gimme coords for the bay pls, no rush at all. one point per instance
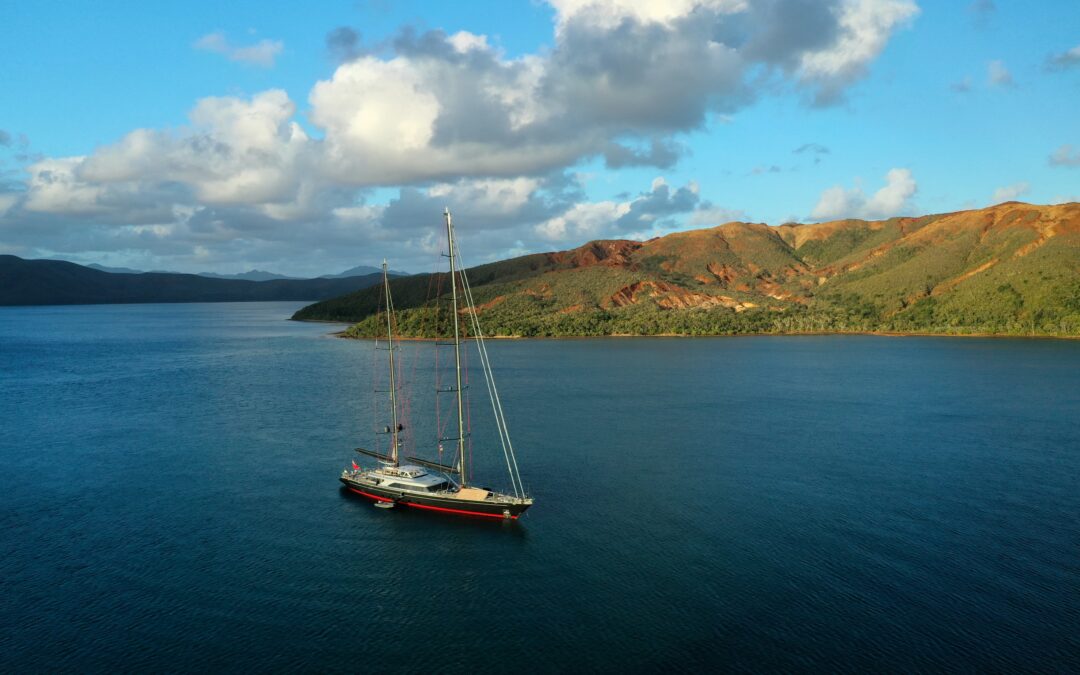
(169, 501)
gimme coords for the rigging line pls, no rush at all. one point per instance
(412, 370)
(471, 303)
(375, 382)
(405, 396)
(502, 437)
(405, 400)
(468, 416)
(390, 321)
(457, 344)
(489, 379)
(441, 424)
(431, 302)
(438, 371)
(468, 406)
(501, 417)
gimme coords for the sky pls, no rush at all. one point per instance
(221, 137)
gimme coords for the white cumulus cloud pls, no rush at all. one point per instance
(637, 218)
(1008, 193)
(891, 200)
(608, 14)
(448, 118)
(710, 216)
(449, 105)
(236, 151)
(583, 221)
(865, 29)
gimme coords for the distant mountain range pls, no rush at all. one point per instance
(56, 282)
(1009, 269)
(113, 270)
(360, 270)
(250, 275)
(255, 275)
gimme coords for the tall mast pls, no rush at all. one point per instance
(457, 351)
(393, 375)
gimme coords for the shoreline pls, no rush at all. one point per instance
(1000, 336)
(339, 323)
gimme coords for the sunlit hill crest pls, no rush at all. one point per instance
(1013, 268)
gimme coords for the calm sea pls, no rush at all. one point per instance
(169, 501)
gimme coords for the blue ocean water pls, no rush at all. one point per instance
(169, 501)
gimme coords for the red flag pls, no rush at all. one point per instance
(354, 465)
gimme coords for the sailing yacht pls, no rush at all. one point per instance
(430, 485)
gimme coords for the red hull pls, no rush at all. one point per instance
(434, 508)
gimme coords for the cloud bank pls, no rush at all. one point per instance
(621, 81)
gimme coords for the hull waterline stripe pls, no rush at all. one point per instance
(366, 494)
(467, 513)
(432, 508)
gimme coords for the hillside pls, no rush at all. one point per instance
(55, 282)
(1009, 269)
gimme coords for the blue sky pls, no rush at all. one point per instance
(190, 137)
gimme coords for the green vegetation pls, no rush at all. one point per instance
(1010, 270)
